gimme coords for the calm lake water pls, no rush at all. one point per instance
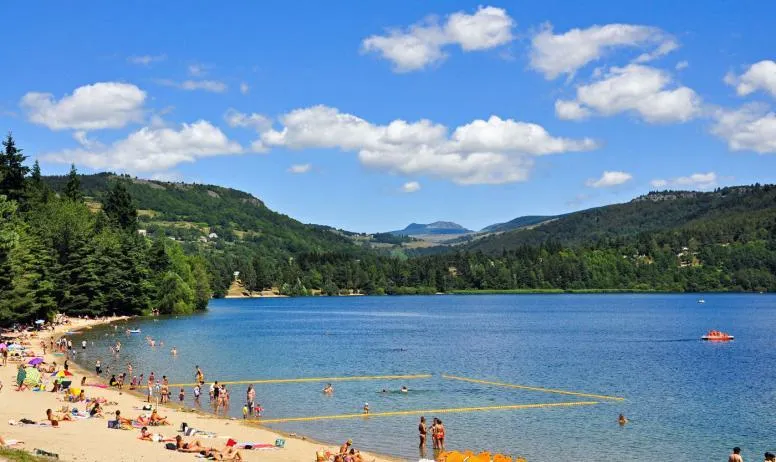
(687, 400)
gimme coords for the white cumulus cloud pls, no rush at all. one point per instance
(608, 179)
(555, 54)
(759, 76)
(145, 60)
(681, 65)
(750, 128)
(422, 44)
(410, 187)
(90, 107)
(245, 88)
(300, 168)
(638, 89)
(489, 151)
(695, 181)
(152, 149)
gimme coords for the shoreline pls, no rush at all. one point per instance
(91, 440)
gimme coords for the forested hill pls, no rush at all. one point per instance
(656, 211)
(193, 212)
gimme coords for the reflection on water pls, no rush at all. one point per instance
(686, 400)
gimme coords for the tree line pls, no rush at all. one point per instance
(59, 255)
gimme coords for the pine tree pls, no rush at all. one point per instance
(119, 208)
(73, 186)
(35, 176)
(12, 170)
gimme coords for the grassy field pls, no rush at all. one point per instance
(16, 455)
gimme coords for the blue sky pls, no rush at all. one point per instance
(371, 115)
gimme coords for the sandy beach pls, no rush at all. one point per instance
(91, 439)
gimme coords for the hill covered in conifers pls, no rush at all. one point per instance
(105, 243)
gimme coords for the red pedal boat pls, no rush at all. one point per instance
(717, 336)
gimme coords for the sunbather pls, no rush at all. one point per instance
(145, 434)
(55, 418)
(193, 446)
(156, 419)
(228, 453)
(8, 443)
(123, 420)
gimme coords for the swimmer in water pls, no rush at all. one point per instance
(328, 389)
(622, 420)
(174, 351)
(405, 390)
(366, 408)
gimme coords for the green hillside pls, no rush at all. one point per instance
(656, 211)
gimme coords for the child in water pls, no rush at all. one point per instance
(182, 395)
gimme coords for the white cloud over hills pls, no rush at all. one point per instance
(489, 151)
(152, 149)
(609, 179)
(694, 181)
(423, 44)
(90, 107)
(642, 90)
(556, 54)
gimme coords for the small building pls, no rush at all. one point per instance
(212, 236)
(142, 232)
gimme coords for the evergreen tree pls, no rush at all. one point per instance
(73, 186)
(12, 170)
(35, 176)
(119, 208)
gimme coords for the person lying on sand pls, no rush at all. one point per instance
(55, 418)
(156, 419)
(145, 434)
(122, 420)
(228, 453)
(8, 443)
(193, 446)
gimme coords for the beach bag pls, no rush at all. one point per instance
(113, 424)
(147, 407)
(280, 443)
(171, 446)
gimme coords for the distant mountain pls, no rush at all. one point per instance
(517, 223)
(656, 211)
(436, 228)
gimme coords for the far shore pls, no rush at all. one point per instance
(91, 440)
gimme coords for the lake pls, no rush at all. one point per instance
(687, 400)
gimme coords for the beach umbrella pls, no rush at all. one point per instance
(3, 346)
(33, 376)
(62, 373)
(35, 361)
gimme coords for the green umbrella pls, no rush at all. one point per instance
(33, 376)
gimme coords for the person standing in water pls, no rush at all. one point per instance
(250, 398)
(422, 431)
(736, 455)
(440, 435)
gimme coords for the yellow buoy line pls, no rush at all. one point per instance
(315, 379)
(526, 387)
(426, 411)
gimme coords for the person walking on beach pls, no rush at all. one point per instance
(736, 455)
(150, 386)
(250, 398)
(97, 367)
(83, 344)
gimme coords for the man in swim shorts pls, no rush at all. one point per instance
(736, 455)
(422, 431)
